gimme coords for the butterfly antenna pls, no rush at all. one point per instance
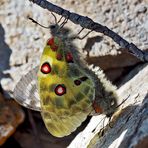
(119, 106)
(38, 23)
(123, 101)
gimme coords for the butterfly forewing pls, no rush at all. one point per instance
(66, 92)
(26, 91)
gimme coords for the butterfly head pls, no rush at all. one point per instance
(105, 106)
(111, 106)
(57, 30)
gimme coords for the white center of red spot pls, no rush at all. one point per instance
(45, 68)
(60, 90)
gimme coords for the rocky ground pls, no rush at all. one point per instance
(22, 42)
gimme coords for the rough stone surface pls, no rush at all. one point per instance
(22, 42)
(11, 115)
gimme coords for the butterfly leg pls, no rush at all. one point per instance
(57, 22)
(103, 129)
(81, 38)
(110, 124)
(101, 132)
(55, 18)
(60, 19)
(80, 31)
(63, 23)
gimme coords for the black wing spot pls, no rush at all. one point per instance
(79, 80)
(83, 78)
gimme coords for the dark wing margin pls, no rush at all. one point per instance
(26, 91)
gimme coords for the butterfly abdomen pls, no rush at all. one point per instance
(106, 99)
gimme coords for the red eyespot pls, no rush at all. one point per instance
(77, 82)
(59, 56)
(46, 68)
(60, 89)
(54, 47)
(50, 41)
(97, 108)
(69, 58)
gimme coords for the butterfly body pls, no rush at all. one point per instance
(65, 90)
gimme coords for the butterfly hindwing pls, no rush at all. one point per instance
(66, 92)
(26, 91)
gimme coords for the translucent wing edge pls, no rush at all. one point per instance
(26, 92)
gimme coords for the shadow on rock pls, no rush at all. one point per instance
(5, 53)
(90, 43)
(129, 119)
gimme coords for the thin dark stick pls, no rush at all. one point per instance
(88, 23)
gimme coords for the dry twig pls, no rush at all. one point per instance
(88, 23)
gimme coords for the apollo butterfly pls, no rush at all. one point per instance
(63, 88)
